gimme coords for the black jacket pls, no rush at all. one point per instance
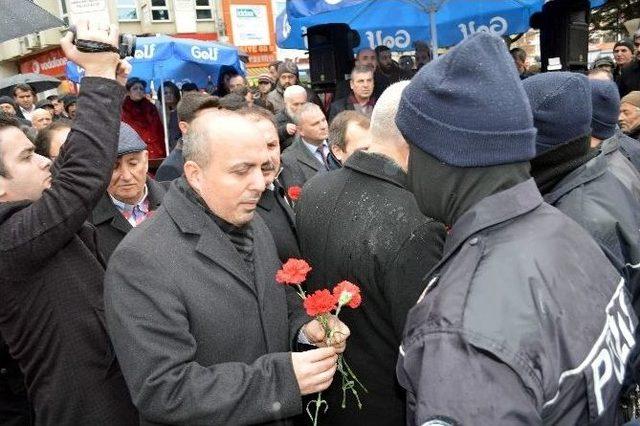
(339, 105)
(524, 321)
(298, 165)
(51, 277)
(360, 224)
(15, 409)
(280, 220)
(111, 226)
(593, 197)
(620, 165)
(282, 119)
(629, 79)
(171, 167)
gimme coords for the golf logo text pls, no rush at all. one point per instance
(208, 54)
(497, 26)
(146, 52)
(401, 40)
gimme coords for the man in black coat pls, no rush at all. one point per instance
(360, 98)
(518, 321)
(187, 109)
(131, 196)
(202, 330)
(360, 224)
(273, 206)
(629, 78)
(51, 274)
(575, 178)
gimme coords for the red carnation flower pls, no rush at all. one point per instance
(294, 193)
(294, 272)
(319, 303)
(347, 293)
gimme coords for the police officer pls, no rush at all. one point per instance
(524, 320)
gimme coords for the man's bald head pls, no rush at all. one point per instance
(383, 117)
(41, 118)
(226, 163)
(213, 127)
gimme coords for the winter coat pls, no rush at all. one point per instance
(629, 79)
(282, 119)
(339, 105)
(298, 165)
(360, 224)
(111, 225)
(630, 147)
(145, 120)
(593, 197)
(281, 221)
(620, 165)
(15, 409)
(200, 339)
(51, 277)
(171, 167)
(524, 321)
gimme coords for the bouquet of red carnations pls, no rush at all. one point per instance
(321, 305)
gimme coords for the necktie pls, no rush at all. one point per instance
(320, 150)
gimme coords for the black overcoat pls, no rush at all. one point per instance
(360, 224)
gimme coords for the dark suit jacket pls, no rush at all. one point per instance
(298, 165)
(360, 224)
(111, 226)
(339, 105)
(51, 305)
(201, 340)
(171, 167)
(280, 220)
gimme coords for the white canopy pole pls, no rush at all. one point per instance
(434, 30)
(164, 119)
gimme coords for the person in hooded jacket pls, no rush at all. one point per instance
(605, 101)
(575, 178)
(513, 325)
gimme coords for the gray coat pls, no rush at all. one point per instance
(199, 340)
(524, 321)
(298, 165)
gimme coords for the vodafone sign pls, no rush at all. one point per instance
(50, 63)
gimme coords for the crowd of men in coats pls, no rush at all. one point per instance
(491, 222)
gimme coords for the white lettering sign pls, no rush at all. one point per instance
(208, 54)
(147, 51)
(497, 26)
(401, 40)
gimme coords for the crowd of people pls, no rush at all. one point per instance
(489, 215)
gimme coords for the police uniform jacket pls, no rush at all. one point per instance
(524, 321)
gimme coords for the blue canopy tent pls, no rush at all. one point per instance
(163, 58)
(399, 23)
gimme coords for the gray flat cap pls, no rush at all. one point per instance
(129, 141)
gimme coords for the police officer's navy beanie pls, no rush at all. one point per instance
(468, 108)
(605, 100)
(561, 105)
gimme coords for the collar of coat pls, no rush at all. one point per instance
(377, 166)
(588, 172)
(105, 210)
(491, 211)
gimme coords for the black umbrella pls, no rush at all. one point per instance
(22, 17)
(39, 82)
